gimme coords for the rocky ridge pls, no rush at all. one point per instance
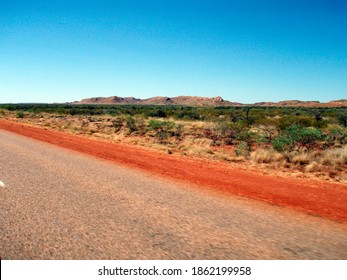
(206, 101)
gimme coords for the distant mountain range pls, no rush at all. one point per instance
(205, 101)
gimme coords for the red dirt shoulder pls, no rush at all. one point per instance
(315, 197)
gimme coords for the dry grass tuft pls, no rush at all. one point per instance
(335, 157)
(266, 156)
(329, 163)
(301, 158)
(312, 167)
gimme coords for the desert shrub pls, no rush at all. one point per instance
(162, 129)
(20, 114)
(320, 124)
(160, 113)
(244, 135)
(178, 132)
(213, 134)
(131, 124)
(267, 132)
(305, 121)
(158, 124)
(342, 118)
(188, 113)
(73, 111)
(128, 122)
(229, 132)
(337, 135)
(281, 142)
(242, 149)
(296, 134)
(223, 127)
(140, 125)
(236, 116)
(305, 136)
(118, 123)
(261, 138)
(249, 137)
(285, 122)
(319, 121)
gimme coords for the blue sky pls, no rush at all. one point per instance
(245, 51)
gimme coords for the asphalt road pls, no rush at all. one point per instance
(60, 204)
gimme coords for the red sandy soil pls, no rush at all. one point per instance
(319, 198)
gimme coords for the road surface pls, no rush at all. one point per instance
(60, 204)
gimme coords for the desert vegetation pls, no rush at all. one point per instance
(292, 139)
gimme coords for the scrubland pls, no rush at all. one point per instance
(285, 141)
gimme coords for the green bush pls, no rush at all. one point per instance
(245, 135)
(118, 123)
(342, 118)
(242, 149)
(160, 125)
(281, 142)
(338, 136)
(131, 124)
(297, 135)
(162, 128)
(304, 135)
(20, 115)
(288, 121)
(285, 122)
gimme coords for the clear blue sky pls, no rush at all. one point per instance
(245, 51)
